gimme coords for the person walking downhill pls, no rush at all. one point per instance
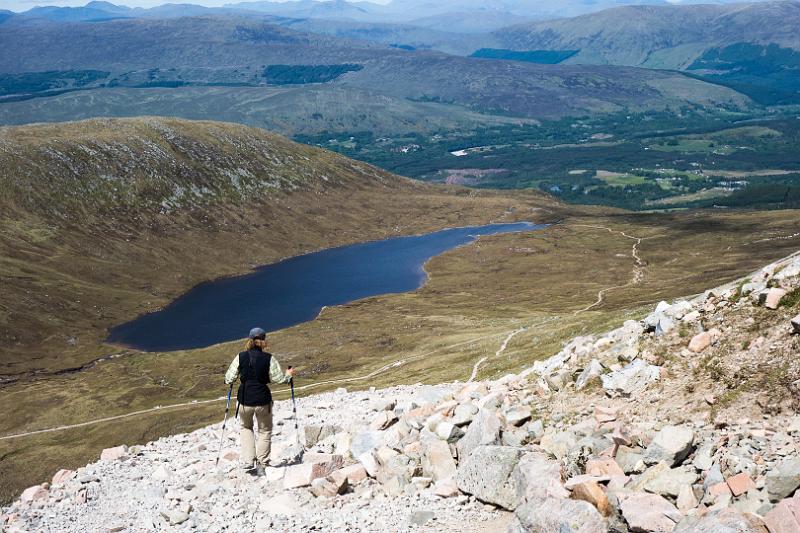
(256, 368)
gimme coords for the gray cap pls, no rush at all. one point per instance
(256, 332)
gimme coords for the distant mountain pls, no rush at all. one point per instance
(658, 36)
(184, 55)
(226, 43)
(468, 21)
(333, 9)
(754, 48)
(92, 11)
(399, 35)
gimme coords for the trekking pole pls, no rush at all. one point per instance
(294, 409)
(224, 421)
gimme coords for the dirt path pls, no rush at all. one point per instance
(496, 354)
(638, 266)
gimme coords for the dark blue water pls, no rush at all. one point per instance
(295, 290)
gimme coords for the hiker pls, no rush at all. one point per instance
(256, 368)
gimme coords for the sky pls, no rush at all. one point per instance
(24, 5)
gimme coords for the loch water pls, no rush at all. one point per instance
(295, 290)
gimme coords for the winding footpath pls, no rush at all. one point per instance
(638, 267)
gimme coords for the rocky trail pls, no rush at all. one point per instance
(685, 421)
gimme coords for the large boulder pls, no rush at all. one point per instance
(784, 517)
(552, 515)
(672, 444)
(784, 479)
(34, 493)
(728, 520)
(670, 482)
(632, 379)
(645, 513)
(483, 430)
(486, 474)
(437, 461)
(536, 476)
(463, 414)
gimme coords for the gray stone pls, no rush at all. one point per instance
(175, 516)
(366, 441)
(449, 432)
(783, 479)
(796, 324)
(651, 321)
(314, 434)
(703, 457)
(483, 430)
(713, 476)
(486, 474)
(463, 414)
(665, 325)
(593, 371)
(429, 394)
(518, 415)
(753, 287)
(648, 512)
(559, 379)
(630, 459)
(535, 429)
(558, 444)
(633, 379)
(669, 483)
(419, 518)
(558, 515)
(537, 476)
(437, 461)
(514, 437)
(672, 444)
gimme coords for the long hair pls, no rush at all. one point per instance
(255, 343)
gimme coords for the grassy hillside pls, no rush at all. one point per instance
(106, 219)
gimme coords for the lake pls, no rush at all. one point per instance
(295, 290)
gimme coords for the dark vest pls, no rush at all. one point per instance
(254, 376)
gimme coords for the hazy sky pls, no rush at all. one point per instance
(24, 5)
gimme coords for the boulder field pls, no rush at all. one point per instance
(683, 421)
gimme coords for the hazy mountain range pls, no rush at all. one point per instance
(274, 65)
(311, 75)
(471, 16)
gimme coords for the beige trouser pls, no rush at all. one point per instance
(256, 448)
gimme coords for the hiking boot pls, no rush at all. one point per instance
(248, 469)
(258, 471)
